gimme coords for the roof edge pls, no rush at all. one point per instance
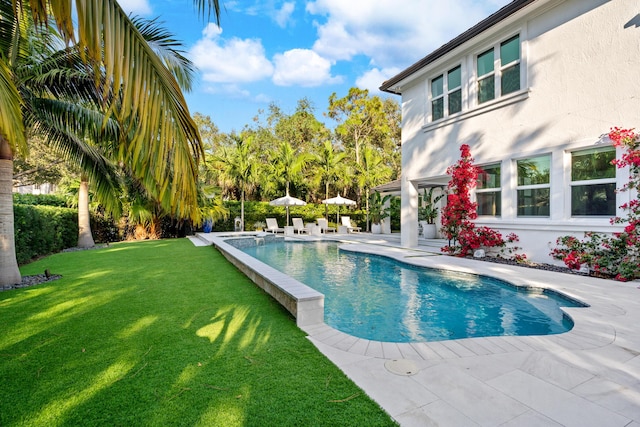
(469, 34)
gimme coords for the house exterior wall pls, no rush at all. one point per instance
(579, 78)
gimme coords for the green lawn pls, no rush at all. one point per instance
(162, 333)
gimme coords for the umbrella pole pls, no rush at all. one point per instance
(287, 215)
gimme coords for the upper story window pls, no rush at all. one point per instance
(593, 182)
(507, 75)
(489, 191)
(454, 90)
(534, 186)
(437, 98)
(446, 94)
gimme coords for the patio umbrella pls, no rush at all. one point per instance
(338, 201)
(287, 201)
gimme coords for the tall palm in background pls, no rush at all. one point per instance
(287, 165)
(327, 164)
(156, 135)
(238, 167)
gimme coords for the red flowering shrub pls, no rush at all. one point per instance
(458, 212)
(618, 255)
(464, 237)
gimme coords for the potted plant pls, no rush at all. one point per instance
(378, 210)
(259, 226)
(428, 212)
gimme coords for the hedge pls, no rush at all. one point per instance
(258, 211)
(42, 230)
(39, 199)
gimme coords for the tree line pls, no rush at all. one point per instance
(297, 154)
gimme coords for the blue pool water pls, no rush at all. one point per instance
(381, 299)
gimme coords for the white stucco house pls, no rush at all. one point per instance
(533, 90)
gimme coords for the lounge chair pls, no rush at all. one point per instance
(346, 222)
(324, 225)
(298, 226)
(272, 226)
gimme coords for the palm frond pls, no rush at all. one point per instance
(63, 124)
(168, 49)
(11, 125)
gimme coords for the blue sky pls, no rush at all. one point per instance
(281, 51)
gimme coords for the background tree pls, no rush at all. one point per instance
(327, 168)
(361, 120)
(238, 167)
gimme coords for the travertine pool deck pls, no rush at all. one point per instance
(589, 376)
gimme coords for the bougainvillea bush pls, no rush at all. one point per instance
(616, 255)
(457, 226)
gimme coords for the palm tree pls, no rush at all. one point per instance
(327, 165)
(156, 132)
(287, 164)
(238, 167)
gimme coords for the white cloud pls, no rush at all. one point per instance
(283, 15)
(229, 61)
(236, 92)
(392, 32)
(137, 7)
(372, 79)
(302, 67)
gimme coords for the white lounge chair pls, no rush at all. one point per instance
(272, 226)
(346, 222)
(298, 226)
(324, 225)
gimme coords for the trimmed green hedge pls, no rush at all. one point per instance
(41, 230)
(39, 199)
(258, 211)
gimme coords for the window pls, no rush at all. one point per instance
(593, 182)
(508, 74)
(486, 77)
(510, 65)
(437, 98)
(488, 191)
(454, 89)
(534, 186)
(442, 105)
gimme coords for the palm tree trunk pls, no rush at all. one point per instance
(85, 239)
(326, 196)
(242, 210)
(9, 272)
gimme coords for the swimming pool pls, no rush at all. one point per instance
(377, 298)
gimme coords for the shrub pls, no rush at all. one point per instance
(258, 211)
(41, 230)
(39, 199)
(464, 237)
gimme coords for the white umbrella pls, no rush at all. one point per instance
(338, 201)
(287, 201)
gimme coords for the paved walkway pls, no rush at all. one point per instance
(589, 376)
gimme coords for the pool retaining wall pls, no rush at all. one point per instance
(304, 303)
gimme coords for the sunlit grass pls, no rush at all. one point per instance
(162, 333)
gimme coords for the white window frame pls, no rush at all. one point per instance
(534, 186)
(583, 182)
(498, 69)
(445, 93)
(497, 189)
(433, 99)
